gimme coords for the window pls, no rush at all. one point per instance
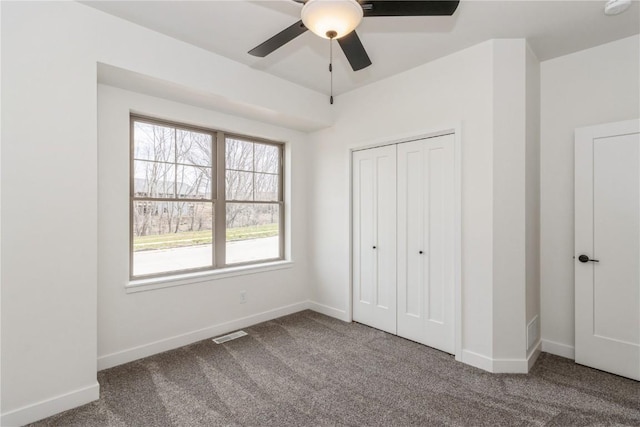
(252, 194)
(202, 200)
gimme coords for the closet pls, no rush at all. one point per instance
(404, 239)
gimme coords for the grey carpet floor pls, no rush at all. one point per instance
(311, 370)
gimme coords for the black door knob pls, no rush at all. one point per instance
(420, 252)
(585, 258)
(374, 247)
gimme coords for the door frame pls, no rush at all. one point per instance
(456, 130)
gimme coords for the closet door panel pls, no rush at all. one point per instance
(410, 207)
(385, 228)
(439, 327)
(425, 241)
(410, 239)
(374, 237)
(364, 229)
(435, 233)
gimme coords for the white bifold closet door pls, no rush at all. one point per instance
(403, 240)
(374, 238)
(426, 251)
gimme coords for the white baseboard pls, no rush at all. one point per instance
(502, 366)
(477, 360)
(329, 311)
(135, 353)
(517, 366)
(510, 366)
(46, 408)
(562, 350)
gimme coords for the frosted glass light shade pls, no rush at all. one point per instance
(616, 7)
(322, 16)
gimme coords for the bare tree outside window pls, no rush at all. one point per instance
(174, 202)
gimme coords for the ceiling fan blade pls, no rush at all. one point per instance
(354, 51)
(280, 39)
(409, 7)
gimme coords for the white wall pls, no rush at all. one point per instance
(49, 213)
(127, 322)
(532, 177)
(515, 200)
(597, 85)
(508, 197)
(50, 180)
(454, 89)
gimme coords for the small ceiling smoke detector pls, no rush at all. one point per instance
(616, 7)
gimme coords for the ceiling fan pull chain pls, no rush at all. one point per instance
(331, 69)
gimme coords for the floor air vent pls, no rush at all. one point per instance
(229, 337)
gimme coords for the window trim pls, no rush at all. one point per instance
(219, 266)
(189, 278)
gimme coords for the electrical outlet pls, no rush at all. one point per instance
(243, 297)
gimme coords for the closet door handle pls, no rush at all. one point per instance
(420, 252)
(374, 247)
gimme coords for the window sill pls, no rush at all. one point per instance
(143, 285)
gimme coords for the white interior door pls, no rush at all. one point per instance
(374, 237)
(426, 252)
(607, 245)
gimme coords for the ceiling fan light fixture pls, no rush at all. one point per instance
(335, 18)
(616, 7)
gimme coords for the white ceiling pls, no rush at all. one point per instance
(394, 44)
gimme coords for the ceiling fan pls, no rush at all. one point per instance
(337, 19)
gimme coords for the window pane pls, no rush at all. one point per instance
(267, 158)
(153, 179)
(266, 186)
(194, 182)
(239, 155)
(239, 185)
(252, 232)
(153, 142)
(194, 148)
(171, 236)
